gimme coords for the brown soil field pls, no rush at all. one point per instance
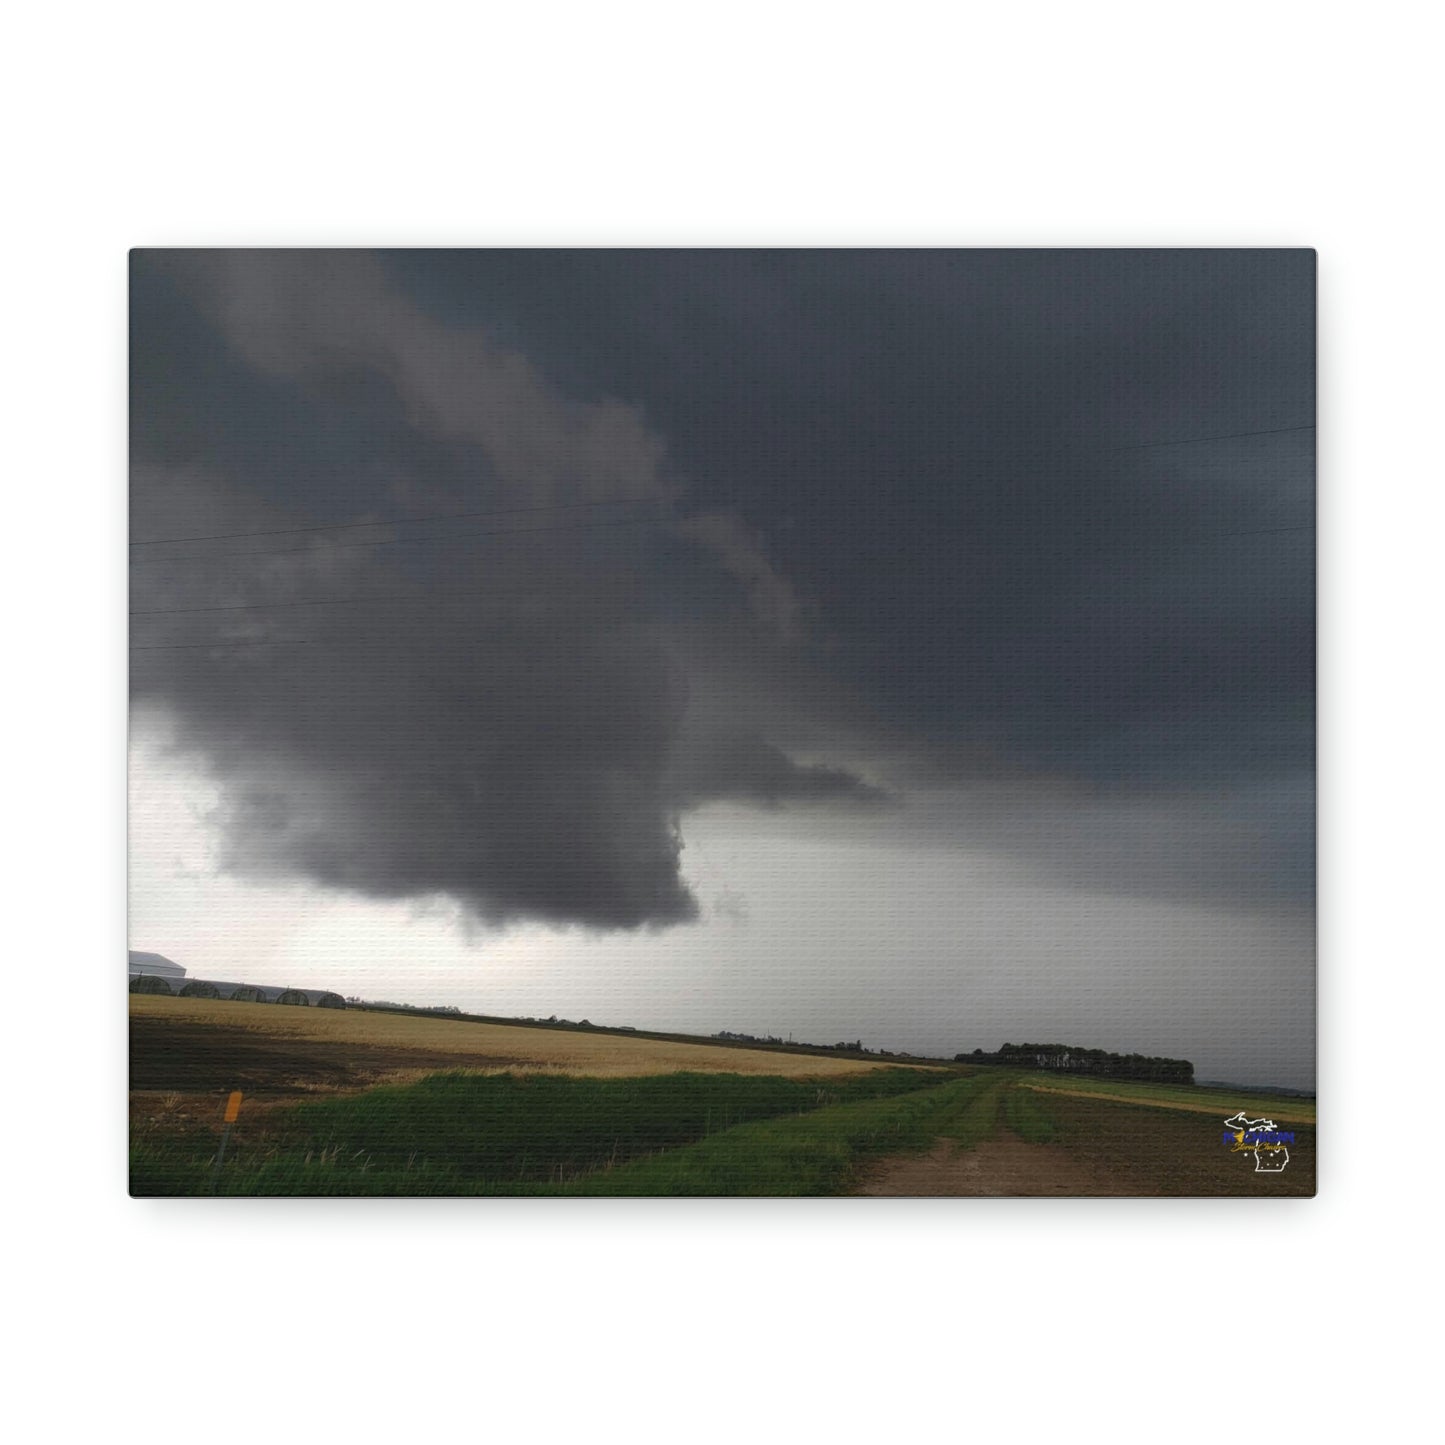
(208, 1046)
(1302, 1112)
(1104, 1148)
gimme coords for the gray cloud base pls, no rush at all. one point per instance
(891, 526)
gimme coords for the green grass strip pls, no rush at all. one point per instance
(820, 1153)
(463, 1133)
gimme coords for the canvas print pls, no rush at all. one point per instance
(722, 722)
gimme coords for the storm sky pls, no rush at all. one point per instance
(907, 645)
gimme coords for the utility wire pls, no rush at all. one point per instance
(277, 641)
(511, 595)
(432, 624)
(1222, 437)
(387, 542)
(571, 506)
(1263, 531)
(259, 642)
(1152, 549)
(339, 601)
(420, 597)
(395, 521)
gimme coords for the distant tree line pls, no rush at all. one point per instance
(410, 1008)
(856, 1047)
(1098, 1063)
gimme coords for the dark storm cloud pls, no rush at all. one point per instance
(493, 708)
(745, 768)
(895, 519)
(951, 453)
(519, 766)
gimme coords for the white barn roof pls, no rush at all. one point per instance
(155, 964)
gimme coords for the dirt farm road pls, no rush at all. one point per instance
(998, 1167)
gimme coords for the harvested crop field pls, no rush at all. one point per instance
(204, 1046)
(1194, 1101)
(1096, 1147)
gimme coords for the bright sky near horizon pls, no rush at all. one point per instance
(817, 939)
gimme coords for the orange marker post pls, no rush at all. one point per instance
(233, 1110)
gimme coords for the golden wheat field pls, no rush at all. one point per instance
(183, 1028)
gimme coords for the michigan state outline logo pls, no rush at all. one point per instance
(1268, 1143)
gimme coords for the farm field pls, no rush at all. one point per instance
(203, 1045)
(518, 1133)
(346, 1103)
(1052, 1144)
(1282, 1108)
(187, 1055)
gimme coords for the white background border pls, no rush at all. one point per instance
(1042, 124)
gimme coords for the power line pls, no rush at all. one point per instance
(395, 521)
(388, 542)
(572, 506)
(1261, 532)
(277, 641)
(1222, 437)
(396, 597)
(431, 624)
(1202, 537)
(259, 642)
(515, 511)
(433, 597)
(512, 594)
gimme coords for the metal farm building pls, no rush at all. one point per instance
(155, 965)
(154, 973)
